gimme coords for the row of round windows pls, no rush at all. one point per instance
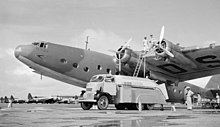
(86, 69)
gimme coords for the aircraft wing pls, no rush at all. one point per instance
(188, 63)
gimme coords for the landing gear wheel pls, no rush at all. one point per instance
(103, 102)
(120, 106)
(149, 106)
(86, 105)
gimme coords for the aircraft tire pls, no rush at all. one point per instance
(103, 102)
(149, 106)
(86, 105)
(120, 106)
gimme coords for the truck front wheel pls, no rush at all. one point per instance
(86, 105)
(103, 102)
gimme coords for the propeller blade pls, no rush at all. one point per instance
(129, 40)
(161, 38)
(161, 34)
(125, 45)
(168, 52)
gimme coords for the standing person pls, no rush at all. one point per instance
(217, 99)
(188, 98)
(173, 108)
(151, 42)
(199, 99)
(148, 45)
(145, 44)
(10, 103)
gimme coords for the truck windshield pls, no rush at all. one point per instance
(97, 79)
(109, 79)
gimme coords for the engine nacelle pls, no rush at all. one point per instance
(165, 44)
(124, 55)
(176, 51)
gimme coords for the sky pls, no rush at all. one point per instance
(108, 23)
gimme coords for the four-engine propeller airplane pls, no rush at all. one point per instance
(169, 63)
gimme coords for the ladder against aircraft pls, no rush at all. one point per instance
(141, 59)
(138, 66)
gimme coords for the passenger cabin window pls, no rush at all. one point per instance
(86, 69)
(108, 71)
(97, 79)
(75, 65)
(64, 61)
(99, 67)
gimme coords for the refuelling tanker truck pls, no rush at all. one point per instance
(125, 92)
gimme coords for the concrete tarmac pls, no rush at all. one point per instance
(71, 115)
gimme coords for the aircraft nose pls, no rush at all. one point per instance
(17, 51)
(22, 50)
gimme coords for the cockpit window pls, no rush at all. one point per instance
(40, 44)
(97, 79)
(45, 46)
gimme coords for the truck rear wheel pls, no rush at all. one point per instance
(103, 102)
(86, 105)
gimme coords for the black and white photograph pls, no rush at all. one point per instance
(109, 63)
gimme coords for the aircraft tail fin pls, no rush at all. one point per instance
(214, 82)
(12, 98)
(30, 96)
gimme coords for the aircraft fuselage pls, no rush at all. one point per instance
(68, 64)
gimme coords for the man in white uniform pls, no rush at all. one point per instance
(145, 43)
(217, 98)
(189, 98)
